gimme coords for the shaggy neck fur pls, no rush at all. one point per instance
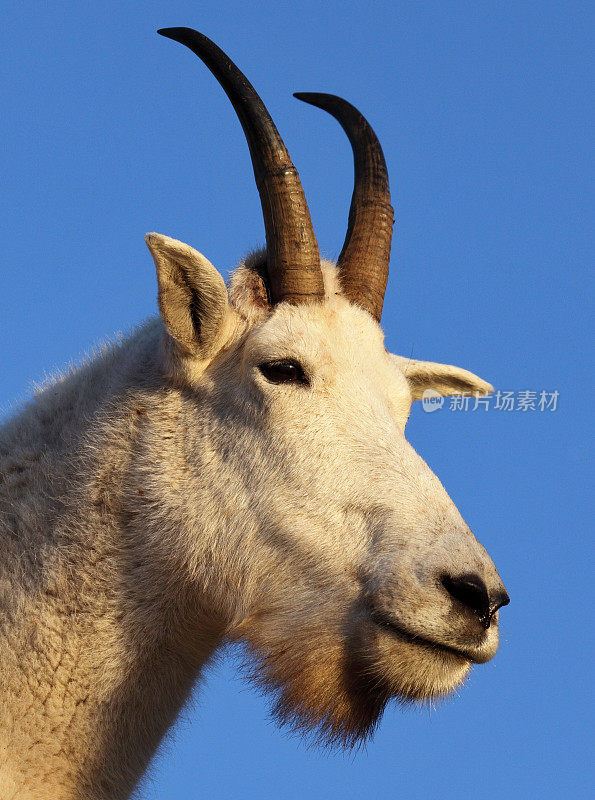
(99, 648)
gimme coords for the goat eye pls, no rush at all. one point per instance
(284, 372)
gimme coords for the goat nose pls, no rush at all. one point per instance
(471, 591)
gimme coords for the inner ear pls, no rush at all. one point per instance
(192, 296)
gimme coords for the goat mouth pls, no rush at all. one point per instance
(388, 625)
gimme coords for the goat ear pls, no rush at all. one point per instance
(192, 296)
(442, 378)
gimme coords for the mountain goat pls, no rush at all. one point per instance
(236, 470)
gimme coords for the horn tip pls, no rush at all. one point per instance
(174, 33)
(319, 99)
(306, 97)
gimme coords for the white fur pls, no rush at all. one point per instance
(166, 497)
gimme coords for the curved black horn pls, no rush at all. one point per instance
(364, 259)
(293, 261)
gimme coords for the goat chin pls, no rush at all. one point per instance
(335, 688)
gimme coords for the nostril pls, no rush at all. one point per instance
(472, 592)
(501, 599)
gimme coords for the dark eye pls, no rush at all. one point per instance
(288, 371)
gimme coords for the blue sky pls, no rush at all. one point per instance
(109, 131)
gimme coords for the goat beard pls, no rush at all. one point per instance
(326, 689)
